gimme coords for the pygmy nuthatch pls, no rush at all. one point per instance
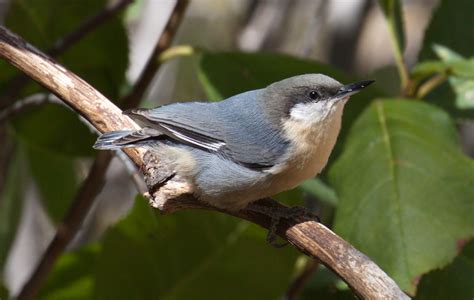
(249, 146)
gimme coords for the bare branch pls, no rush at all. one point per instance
(298, 284)
(78, 94)
(87, 26)
(314, 239)
(153, 63)
(69, 227)
(18, 82)
(90, 188)
(25, 104)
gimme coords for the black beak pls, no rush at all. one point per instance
(351, 89)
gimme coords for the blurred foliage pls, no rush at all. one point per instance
(457, 94)
(38, 129)
(451, 25)
(73, 275)
(392, 10)
(190, 254)
(53, 135)
(321, 191)
(43, 22)
(3, 291)
(50, 169)
(397, 181)
(11, 203)
(326, 285)
(398, 143)
(100, 58)
(452, 282)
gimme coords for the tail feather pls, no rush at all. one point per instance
(124, 138)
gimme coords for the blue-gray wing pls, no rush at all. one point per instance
(235, 128)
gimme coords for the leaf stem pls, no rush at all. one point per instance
(398, 56)
(393, 12)
(425, 88)
(177, 51)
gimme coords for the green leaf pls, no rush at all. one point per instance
(56, 129)
(459, 66)
(458, 105)
(55, 177)
(324, 284)
(100, 58)
(464, 89)
(462, 80)
(452, 282)
(427, 68)
(451, 26)
(190, 255)
(458, 96)
(228, 73)
(450, 63)
(446, 54)
(11, 203)
(72, 276)
(320, 190)
(405, 189)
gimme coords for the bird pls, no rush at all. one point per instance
(249, 146)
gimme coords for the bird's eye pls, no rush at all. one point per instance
(314, 95)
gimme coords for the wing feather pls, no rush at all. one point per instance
(238, 130)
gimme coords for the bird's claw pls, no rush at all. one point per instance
(277, 214)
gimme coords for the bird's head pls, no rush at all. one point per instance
(310, 98)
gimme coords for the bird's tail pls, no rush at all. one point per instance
(125, 138)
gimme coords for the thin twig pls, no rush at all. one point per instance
(153, 63)
(26, 104)
(298, 284)
(425, 88)
(398, 51)
(80, 209)
(133, 171)
(88, 25)
(70, 225)
(6, 152)
(39, 99)
(16, 84)
(366, 279)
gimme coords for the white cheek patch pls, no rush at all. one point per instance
(311, 112)
(315, 112)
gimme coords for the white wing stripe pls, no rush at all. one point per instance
(211, 146)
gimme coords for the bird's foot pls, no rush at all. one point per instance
(278, 213)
